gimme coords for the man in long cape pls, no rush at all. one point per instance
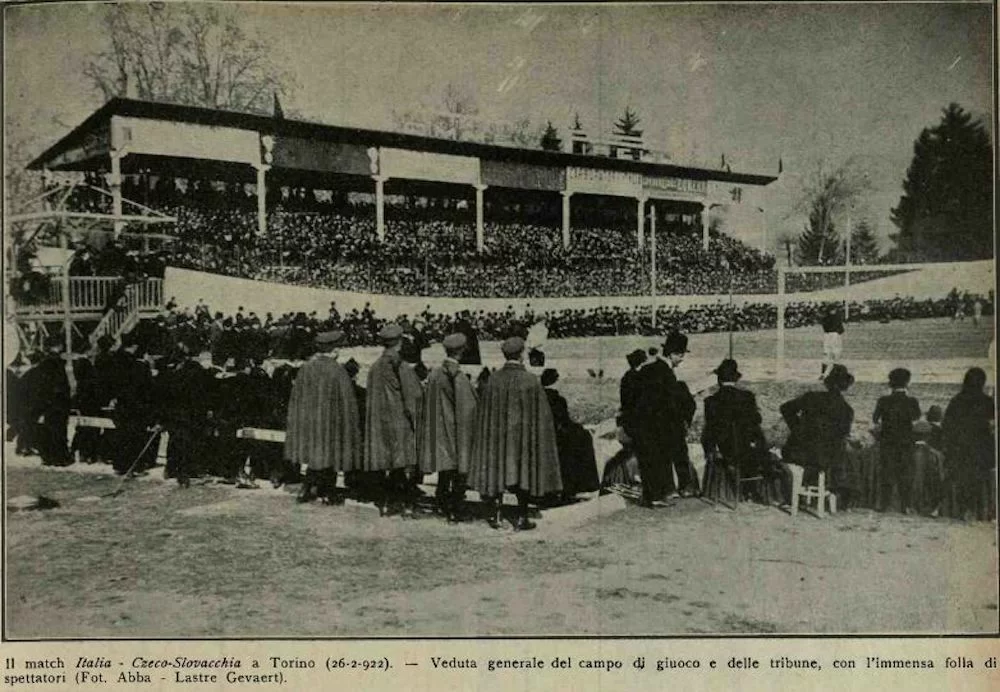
(514, 447)
(447, 426)
(391, 419)
(323, 430)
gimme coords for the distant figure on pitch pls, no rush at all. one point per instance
(833, 339)
(977, 312)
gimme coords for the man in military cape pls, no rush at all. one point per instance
(323, 431)
(514, 447)
(391, 420)
(447, 426)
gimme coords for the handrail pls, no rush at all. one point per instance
(120, 318)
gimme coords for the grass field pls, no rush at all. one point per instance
(213, 560)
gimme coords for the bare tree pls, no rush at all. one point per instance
(186, 53)
(826, 194)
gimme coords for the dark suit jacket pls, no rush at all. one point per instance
(629, 393)
(732, 425)
(819, 423)
(664, 408)
(896, 413)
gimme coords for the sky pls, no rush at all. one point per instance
(756, 82)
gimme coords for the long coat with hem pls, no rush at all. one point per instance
(448, 421)
(515, 440)
(392, 416)
(323, 431)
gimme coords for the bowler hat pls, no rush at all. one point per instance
(839, 378)
(728, 371)
(675, 343)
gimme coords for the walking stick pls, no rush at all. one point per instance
(128, 474)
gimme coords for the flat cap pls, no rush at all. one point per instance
(390, 333)
(331, 337)
(512, 346)
(456, 340)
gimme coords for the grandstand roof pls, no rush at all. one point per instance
(320, 132)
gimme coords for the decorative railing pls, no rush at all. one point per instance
(88, 294)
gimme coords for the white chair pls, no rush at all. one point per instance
(817, 492)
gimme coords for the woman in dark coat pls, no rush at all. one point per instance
(577, 463)
(969, 448)
(819, 423)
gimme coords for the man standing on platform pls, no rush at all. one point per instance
(391, 421)
(323, 430)
(664, 409)
(514, 447)
(447, 427)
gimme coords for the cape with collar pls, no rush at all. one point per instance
(393, 415)
(323, 429)
(515, 438)
(448, 421)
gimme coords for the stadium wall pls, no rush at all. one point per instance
(226, 293)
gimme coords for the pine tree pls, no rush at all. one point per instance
(628, 124)
(946, 210)
(864, 244)
(550, 138)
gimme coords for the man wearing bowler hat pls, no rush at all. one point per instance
(323, 430)
(391, 422)
(514, 446)
(447, 425)
(664, 409)
(732, 431)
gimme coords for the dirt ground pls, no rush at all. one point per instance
(216, 561)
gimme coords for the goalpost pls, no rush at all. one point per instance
(846, 270)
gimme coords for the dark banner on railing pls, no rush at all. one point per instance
(523, 176)
(312, 155)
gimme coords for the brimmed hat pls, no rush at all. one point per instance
(549, 376)
(453, 341)
(899, 377)
(390, 334)
(839, 377)
(728, 370)
(675, 343)
(513, 346)
(331, 337)
(636, 358)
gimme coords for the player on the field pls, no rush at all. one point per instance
(833, 343)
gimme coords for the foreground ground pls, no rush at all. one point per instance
(217, 561)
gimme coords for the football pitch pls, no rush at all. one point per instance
(217, 561)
